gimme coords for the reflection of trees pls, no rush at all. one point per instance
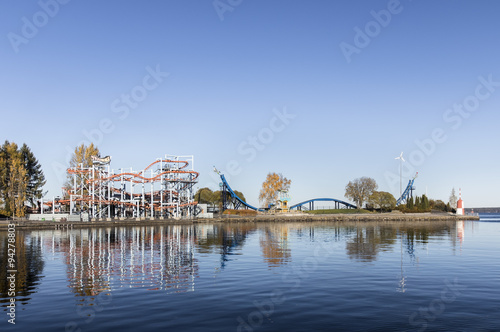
(274, 245)
(223, 239)
(370, 239)
(228, 239)
(29, 265)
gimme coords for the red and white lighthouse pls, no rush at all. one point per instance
(460, 204)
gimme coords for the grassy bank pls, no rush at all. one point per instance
(340, 211)
(350, 216)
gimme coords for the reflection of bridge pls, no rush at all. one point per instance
(338, 204)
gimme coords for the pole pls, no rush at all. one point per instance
(400, 177)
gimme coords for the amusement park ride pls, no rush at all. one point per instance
(282, 202)
(163, 189)
(408, 191)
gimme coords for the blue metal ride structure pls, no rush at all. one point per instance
(235, 200)
(238, 202)
(408, 192)
(338, 203)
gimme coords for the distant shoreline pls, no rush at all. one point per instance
(392, 217)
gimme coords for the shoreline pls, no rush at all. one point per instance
(305, 218)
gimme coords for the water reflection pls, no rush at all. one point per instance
(460, 231)
(29, 264)
(226, 241)
(153, 258)
(369, 239)
(166, 258)
(274, 245)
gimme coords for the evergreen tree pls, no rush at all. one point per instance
(453, 199)
(410, 204)
(35, 176)
(426, 206)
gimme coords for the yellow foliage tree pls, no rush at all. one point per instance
(21, 179)
(274, 183)
(18, 184)
(82, 156)
(13, 180)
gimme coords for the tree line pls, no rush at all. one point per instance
(207, 196)
(21, 180)
(364, 190)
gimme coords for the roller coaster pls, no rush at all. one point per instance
(408, 191)
(162, 189)
(234, 200)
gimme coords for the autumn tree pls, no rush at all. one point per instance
(270, 188)
(21, 179)
(4, 178)
(81, 157)
(360, 190)
(382, 200)
(13, 180)
(17, 186)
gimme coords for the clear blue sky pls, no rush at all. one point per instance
(364, 80)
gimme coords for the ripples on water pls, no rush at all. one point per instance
(259, 277)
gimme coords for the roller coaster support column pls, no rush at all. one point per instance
(224, 197)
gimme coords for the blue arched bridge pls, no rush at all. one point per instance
(338, 204)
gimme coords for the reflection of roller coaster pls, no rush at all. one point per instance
(165, 189)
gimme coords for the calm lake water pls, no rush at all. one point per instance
(257, 277)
